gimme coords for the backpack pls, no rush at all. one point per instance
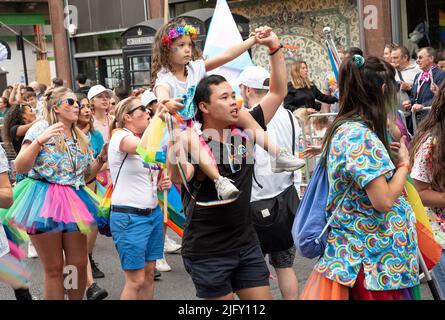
(310, 225)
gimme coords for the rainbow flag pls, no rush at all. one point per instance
(334, 58)
(152, 147)
(176, 216)
(429, 248)
(442, 26)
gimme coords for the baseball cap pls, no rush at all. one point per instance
(148, 97)
(254, 77)
(98, 89)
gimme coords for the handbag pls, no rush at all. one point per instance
(273, 218)
(310, 225)
(103, 221)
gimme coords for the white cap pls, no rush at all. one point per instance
(148, 97)
(98, 89)
(253, 77)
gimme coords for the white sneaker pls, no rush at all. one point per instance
(162, 265)
(32, 253)
(225, 188)
(170, 246)
(286, 161)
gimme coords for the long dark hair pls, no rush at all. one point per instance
(367, 94)
(14, 117)
(434, 126)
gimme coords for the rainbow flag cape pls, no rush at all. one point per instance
(429, 248)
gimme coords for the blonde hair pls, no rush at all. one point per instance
(297, 81)
(122, 108)
(52, 98)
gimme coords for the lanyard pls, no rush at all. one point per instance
(74, 163)
(421, 83)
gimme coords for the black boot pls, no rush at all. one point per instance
(94, 269)
(22, 294)
(96, 293)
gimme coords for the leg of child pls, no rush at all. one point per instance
(199, 154)
(256, 132)
(207, 164)
(284, 160)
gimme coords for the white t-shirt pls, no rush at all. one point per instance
(408, 75)
(195, 72)
(136, 186)
(279, 130)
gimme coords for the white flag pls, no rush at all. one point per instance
(221, 36)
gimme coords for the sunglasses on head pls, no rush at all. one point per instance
(141, 107)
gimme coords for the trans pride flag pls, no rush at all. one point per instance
(222, 35)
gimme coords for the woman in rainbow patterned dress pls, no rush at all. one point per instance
(371, 251)
(52, 205)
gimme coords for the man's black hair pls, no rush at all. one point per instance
(354, 50)
(203, 91)
(81, 78)
(57, 82)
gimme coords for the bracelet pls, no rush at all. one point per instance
(276, 50)
(403, 164)
(38, 142)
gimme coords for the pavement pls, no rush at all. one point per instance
(174, 285)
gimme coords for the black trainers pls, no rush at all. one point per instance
(23, 294)
(157, 274)
(97, 274)
(96, 293)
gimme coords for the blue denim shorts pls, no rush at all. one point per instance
(138, 238)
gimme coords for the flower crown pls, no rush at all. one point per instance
(176, 32)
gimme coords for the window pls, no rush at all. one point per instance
(140, 69)
(423, 24)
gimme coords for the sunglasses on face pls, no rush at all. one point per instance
(141, 107)
(70, 101)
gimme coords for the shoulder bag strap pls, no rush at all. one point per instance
(291, 117)
(328, 223)
(118, 173)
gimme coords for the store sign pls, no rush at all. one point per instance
(139, 41)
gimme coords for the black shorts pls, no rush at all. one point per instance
(282, 259)
(218, 276)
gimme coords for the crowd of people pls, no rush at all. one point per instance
(238, 168)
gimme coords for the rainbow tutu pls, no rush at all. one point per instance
(40, 207)
(13, 271)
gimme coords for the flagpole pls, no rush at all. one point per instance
(429, 279)
(166, 18)
(166, 12)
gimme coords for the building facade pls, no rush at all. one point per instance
(87, 34)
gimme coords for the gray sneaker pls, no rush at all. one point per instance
(226, 189)
(286, 161)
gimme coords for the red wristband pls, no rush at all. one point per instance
(404, 164)
(275, 48)
(39, 143)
